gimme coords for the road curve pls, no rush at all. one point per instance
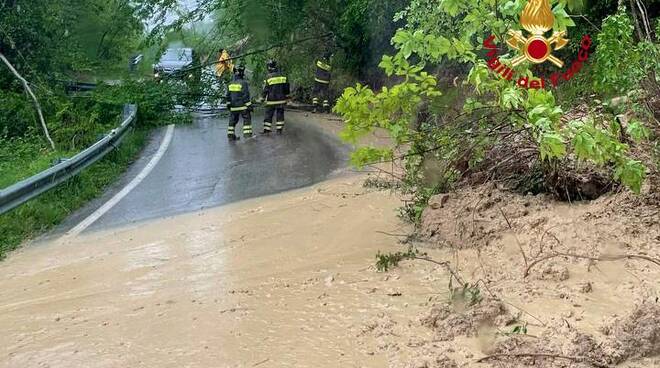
(201, 169)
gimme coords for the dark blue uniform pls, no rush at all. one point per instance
(238, 97)
(322, 85)
(276, 95)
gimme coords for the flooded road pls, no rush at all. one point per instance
(275, 282)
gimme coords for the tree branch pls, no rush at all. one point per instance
(597, 259)
(34, 98)
(547, 356)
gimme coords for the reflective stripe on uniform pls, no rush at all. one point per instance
(280, 124)
(322, 81)
(267, 126)
(326, 103)
(276, 102)
(276, 80)
(323, 66)
(235, 109)
(247, 129)
(234, 87)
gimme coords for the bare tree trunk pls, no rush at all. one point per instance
(34, 98)
(645, 20)
(633, 11)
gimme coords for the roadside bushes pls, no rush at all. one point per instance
(75, 121)
(155, 101)
(622, 63)
(17, 117)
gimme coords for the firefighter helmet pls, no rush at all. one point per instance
(240, 70)
(271, 65)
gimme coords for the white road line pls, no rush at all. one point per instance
(165, 143)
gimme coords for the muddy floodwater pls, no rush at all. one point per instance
(275, 281)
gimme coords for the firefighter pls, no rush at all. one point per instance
(322, 84)
(238, 97)
(275, 95)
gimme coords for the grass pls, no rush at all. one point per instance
(42, 213)
(22, 158)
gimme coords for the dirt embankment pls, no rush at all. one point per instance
(558, 284)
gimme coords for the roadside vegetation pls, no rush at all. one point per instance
(50, 209)
(296, 34)
(577, 141)
(47, 45)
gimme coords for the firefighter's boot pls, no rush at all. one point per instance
(231, 133)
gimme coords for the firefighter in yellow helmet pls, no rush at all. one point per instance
(239, 104)
(322, 84)
(276, 94)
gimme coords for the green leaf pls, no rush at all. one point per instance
(562, 19)
(637, 131)
(583, 144)
(552, 146)
(511, 98)
(387, 65)
(631, 173)
(452, 7)
(370, 155)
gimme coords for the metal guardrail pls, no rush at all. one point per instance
(74, 86)
(34, 186)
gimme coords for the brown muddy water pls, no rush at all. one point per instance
(283, 281)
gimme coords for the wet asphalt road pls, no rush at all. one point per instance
(203, 169)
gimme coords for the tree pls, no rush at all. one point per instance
(43, 42)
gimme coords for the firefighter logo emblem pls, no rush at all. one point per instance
(537, 19)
